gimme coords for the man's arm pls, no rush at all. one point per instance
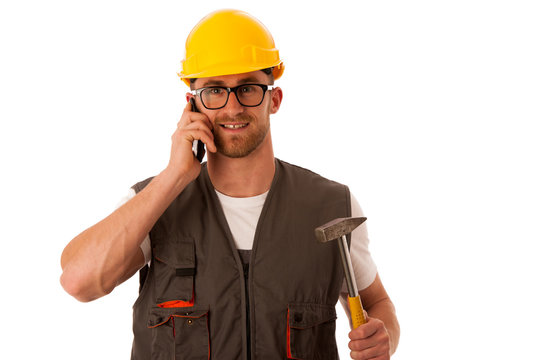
(379, 337)
(108, 253)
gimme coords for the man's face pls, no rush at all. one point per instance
(239, 130)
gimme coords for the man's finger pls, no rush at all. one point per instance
(363, 331)
(200, 131)
(373, 355)
(189, 116)
(360, 345)
(208, 140)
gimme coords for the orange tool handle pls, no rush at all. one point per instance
(357, 312)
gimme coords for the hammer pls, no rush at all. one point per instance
(338, 229)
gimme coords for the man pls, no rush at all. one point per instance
(229, 265)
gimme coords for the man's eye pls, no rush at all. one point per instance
(215, 91)
(247, 89)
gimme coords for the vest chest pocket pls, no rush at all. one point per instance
(311, 331)
(174, 269)
(179, 334)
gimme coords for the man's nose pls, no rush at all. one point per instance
(233, 107)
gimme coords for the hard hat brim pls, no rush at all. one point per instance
(232, 69)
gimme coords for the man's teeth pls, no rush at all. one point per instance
(234, 126)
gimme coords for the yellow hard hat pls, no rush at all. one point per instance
(229, 42)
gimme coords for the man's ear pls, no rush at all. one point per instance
(277, 97)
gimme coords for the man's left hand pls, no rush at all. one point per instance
(370, 341)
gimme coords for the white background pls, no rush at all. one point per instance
(428, 110)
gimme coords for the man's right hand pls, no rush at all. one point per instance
(192, 126)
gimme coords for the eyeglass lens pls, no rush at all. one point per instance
(247, 95)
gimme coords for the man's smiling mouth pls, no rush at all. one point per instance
(234, 126)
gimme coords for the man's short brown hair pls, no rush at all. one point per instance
(267, 71)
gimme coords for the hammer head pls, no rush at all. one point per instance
(337, 228)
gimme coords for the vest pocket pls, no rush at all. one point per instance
(179, 334)
(174, 269)
(311, 331)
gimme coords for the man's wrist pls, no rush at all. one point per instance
(173, 182)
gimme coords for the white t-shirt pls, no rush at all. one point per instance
(242, 215)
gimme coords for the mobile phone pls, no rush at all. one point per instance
(198, 146)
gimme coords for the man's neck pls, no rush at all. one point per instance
(243, 177)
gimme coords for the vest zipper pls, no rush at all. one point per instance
(248, 325)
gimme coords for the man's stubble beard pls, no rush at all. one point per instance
(239, 146)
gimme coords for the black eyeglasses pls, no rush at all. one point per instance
(216, 97)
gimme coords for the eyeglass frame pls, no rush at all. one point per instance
(197, 92)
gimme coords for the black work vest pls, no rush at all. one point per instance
(192, 302)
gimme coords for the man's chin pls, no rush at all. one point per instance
(235, 152)
(236, 147)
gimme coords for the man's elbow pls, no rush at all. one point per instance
(80, 289)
